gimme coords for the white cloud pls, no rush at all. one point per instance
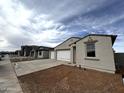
(43, 22)
(3, 42)
(15, 13)
(119, 44)
(20, 25)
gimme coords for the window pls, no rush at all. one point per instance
(90, 49)
(40, 53)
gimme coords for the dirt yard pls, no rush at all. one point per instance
(121, 71)
(67, 79)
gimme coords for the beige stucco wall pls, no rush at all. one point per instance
(66, 44)
(104, 60)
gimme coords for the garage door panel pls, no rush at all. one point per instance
(63, 55)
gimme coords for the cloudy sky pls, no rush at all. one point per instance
(49, 22)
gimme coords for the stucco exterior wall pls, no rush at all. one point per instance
(71, 55)
(40, 56)
(104, 60)
(45, 54)
(65, 45)
(52, 54)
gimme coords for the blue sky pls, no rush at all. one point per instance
(49, 22)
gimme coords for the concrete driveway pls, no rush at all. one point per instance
(27, 67)
(8, 80)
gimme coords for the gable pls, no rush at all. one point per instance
(101, 40)
(66, 43)
(113, 37)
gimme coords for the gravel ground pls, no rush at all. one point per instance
(20, 59)
(68, 79)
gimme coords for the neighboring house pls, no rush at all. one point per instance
(44, 52)
(93, 51)
(119, 60)
(18, 52)
(40, 52)
(34, 52)
(25, 50)
(0, 57)
(12, 54)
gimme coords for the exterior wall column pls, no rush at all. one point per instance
(34, 54)
(72, 51)
(18, 53)
(49, 54)
(25, 53)
(55, 54)
(38, 56)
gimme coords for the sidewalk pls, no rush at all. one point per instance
(8, 80)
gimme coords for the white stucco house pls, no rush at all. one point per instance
(93, 51)
(43, 52)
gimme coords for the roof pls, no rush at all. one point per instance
(113, 37)
(45, 48)
(36, 47)
(29, 46)
(67, 40)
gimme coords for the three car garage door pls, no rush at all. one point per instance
(63, 55)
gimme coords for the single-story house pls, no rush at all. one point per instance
(18, 52)
(93, 51)
(25, 50)
(0, 57)
(119, 60)
(44, 52)
(34, 52)
(40, 52)
(12, 54)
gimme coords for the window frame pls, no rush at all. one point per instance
(91, 49)
(40, 53)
